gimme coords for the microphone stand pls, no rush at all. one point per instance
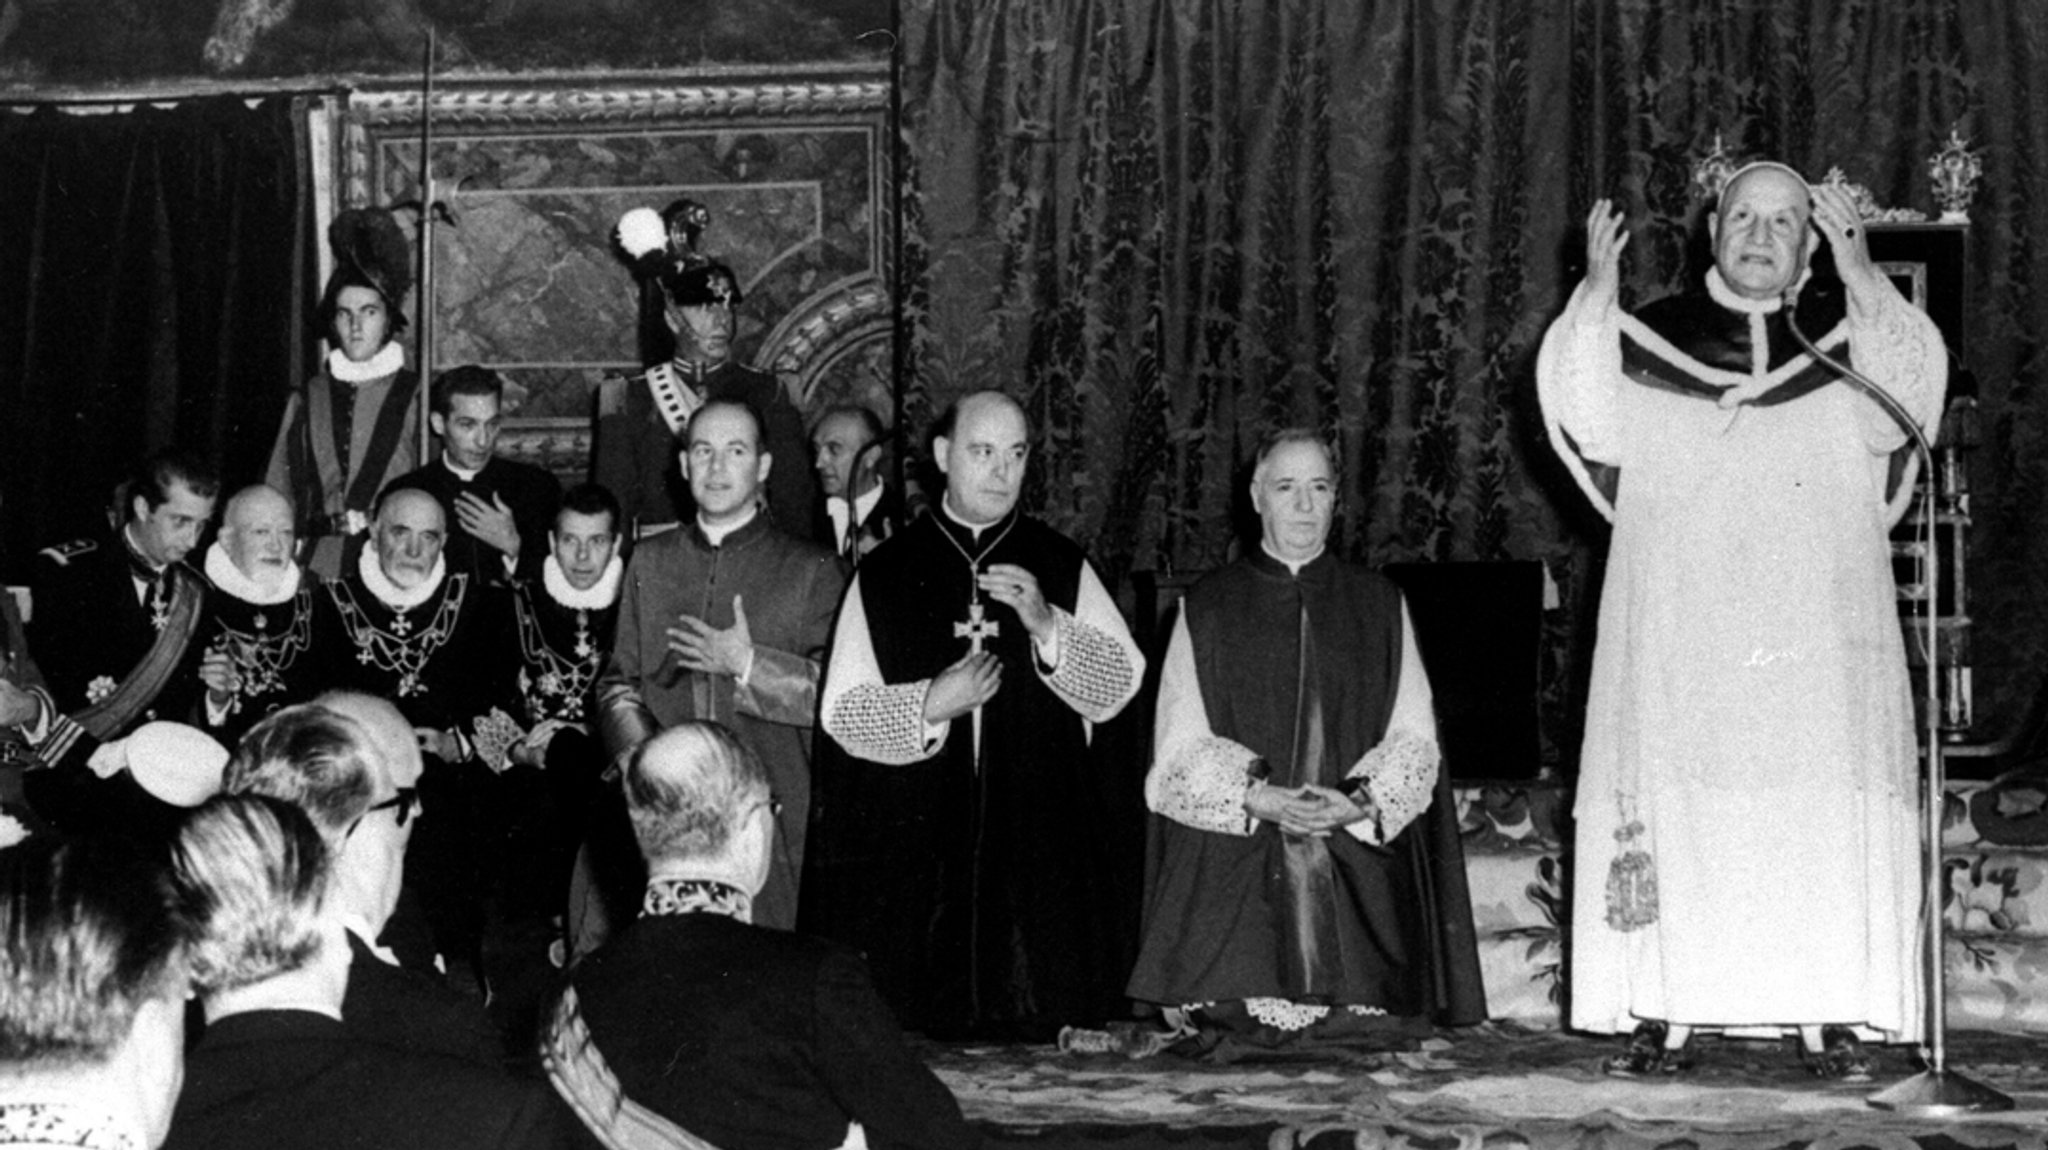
(1936, 1092)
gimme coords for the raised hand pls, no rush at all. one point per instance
(701, 647)
(1836, 218)
(1017, 589)
(1605, 238)
(490, 523)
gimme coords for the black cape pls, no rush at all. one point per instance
(1326, 920)
(980, 898)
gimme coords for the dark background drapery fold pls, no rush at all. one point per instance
(153, 278)
(1171, 224)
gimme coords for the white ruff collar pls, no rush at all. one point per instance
(596, 597)
(391, 594)
(1718, 289)
(229, 578)
(387, 361)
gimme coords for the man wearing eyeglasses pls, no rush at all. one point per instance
(351, 763)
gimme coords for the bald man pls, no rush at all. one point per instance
(959, 846)
(258, 632)
(1749, 723)
(428, 640)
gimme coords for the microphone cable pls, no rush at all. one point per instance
(1935, 1043)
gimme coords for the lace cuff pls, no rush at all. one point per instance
(1400, 777)
(494, 736)
(1203, 787)
(1094, 673)
(883, 724)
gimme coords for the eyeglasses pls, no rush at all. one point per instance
(405, 801)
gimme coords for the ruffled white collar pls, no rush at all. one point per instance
(229, 578)
(387, 361)
(391, 594)
(596, 597)
(1721, 293)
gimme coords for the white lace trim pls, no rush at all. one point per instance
(1203, 787)
(884, 723)
(1285, 1014)
(230, 579)
(495, 736)
(596, 597)
(391, 594)
(1093, 669)
(387, 361)
(1400, 776)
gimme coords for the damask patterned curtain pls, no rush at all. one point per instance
(1172, 224)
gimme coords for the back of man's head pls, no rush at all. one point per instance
(89, 933)
(252, 873)
(315, 758)
(688, 789)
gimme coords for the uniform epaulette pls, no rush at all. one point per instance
(63, 553)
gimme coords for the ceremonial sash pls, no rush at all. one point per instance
(113, 714)
(580, 1074)
(672, 397)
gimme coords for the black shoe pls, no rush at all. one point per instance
(1841, 1057)
(1645, 1055)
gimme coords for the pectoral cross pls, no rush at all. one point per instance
(977, 628)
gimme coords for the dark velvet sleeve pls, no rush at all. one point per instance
(872, 1072)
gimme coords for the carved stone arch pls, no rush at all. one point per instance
(836, 348)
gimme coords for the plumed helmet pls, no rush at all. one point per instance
(662, 249)
(700, 285)
(371, 249)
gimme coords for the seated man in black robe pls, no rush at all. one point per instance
(694, 1017)
(259, 615)
(428, 639)
(1309, 880)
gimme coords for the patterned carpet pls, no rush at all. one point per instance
(1492, 1086)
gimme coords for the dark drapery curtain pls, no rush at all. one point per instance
(1171, 224)
(152, 272)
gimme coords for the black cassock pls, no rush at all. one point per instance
(978, 892)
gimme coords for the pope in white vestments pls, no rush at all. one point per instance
(1747, 851)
